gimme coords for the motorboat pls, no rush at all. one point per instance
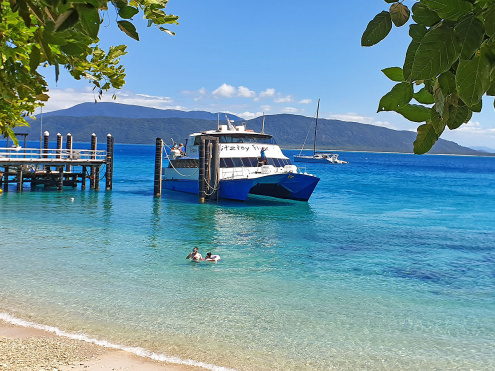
(240, 171)
(331, 158)
(320, 157)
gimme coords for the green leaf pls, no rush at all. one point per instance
(66, 20)
(34, 58)
(490, 21)
(73, 49)
(457, 115)
(399, 14)
(90, 20)
(437, 51)
(415, 112)
(129, 29)
(423, 96)
(423, 15)
(491, 89)
(400, 95)
(477, 107)
(436, 122)
(42, 97)
(473, 79)
(417, 32)
(449, 9)
(127, 12)
(394, 73)
(377, 29)
(425, 139)
(470, 33)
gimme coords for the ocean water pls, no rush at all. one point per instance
(389, 266)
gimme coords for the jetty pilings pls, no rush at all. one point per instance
(209, 164)
(56, 167)
(109, 163)
(157, 192)
(92, 169)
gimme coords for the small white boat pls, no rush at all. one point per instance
(320, 157)
(331, 158)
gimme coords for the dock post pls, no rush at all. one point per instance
(68, 146)
(59, 146)
(97, 178)
(19, 180)
(109, 163)
(93, 156)
(215, 168)
(83, 178)
(202, 193)
(60, 185)
(6, 179)
(158, 167)
(46, 141)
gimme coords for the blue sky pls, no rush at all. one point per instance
(271, 56)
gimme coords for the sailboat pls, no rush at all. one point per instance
(331, 158)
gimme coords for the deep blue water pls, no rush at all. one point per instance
(390, 265)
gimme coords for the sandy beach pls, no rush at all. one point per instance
(24, 348)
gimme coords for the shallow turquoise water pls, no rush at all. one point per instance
(391, 265)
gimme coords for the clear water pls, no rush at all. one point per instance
(390, 266)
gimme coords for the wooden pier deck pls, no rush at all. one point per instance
(56, 167)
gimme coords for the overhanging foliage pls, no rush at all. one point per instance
(36, 33)
(449, 62)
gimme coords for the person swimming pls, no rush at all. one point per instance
(212, 258)
(195, 255)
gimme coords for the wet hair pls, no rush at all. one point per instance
(195, 249)
(208, 254)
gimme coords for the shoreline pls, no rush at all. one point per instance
(27, 347)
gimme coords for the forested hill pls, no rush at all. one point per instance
(289, 131)
(134, 112)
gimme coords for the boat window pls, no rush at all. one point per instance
(237, 162)
(276, 162)
(246, 162)
(229, 162)
(253, 161)
(222, 139)
(270, 161)
(196, 141)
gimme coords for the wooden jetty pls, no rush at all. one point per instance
(56, 167)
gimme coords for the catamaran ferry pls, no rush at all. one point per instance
(241, 167)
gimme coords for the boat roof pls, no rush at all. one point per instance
(239, 130)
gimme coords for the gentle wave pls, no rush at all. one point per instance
(135, 350)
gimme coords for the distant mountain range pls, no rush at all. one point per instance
(141, 125)
(134, 112)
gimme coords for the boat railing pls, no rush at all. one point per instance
(232, 173)
(27, 154)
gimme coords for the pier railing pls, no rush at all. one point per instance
(34, 155)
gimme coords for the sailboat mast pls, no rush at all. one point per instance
(316, 125)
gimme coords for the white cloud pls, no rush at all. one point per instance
(354, 117)
(249, 115)
(245, 92)
(226, 91)
(471, 134)
(305, 101)
(266, 108)
(283, 99)
(267, 93)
